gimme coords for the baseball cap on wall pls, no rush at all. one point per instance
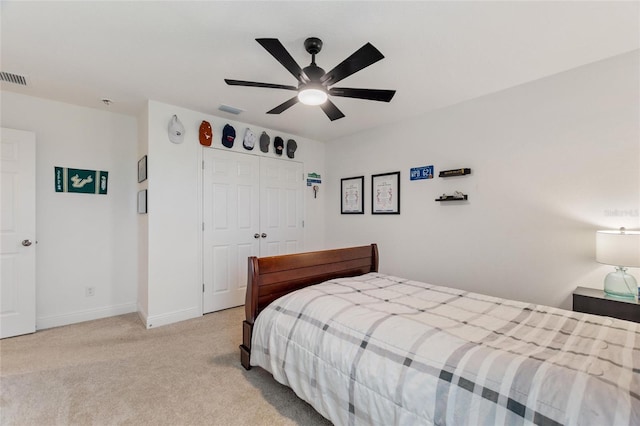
(206, 134)
(264, 142)
(228, 135)
(278, 145)
(291, 148)
(249, 139)
(176, 130)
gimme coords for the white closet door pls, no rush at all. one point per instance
(18, 233)
(281, 207)
(231, 221)
(252, 206)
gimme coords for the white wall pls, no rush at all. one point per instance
(149, 263)
(552, 161)
(83, 240)
(143, 222)
(174, 286)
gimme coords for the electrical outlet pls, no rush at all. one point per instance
(89, 291)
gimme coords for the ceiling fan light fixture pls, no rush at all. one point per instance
(312, 96)
(313, 81)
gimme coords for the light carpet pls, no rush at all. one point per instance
(113, 371)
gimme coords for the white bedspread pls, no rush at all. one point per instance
(377, 349)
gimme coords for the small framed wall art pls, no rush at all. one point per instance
(352, 195)
(142, 201)
(142, 169)
(385, 193)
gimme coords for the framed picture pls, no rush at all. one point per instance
(142, 169)
(142, 201)
(385, 193)
(352, 195)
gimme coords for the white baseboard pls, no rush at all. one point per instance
(88, 315)
(142, 314)
(154, 321)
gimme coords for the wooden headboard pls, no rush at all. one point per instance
(272, 277)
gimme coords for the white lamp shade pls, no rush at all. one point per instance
(311, 96)
(618, 249)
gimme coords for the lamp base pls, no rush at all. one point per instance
(621, 284)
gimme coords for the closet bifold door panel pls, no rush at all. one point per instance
(252, 206)
(231, 217)
(281, 207)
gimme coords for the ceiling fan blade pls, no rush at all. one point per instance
(369, 94)
(278, 51)
(256, 84)
(331, 110)
(362, 58)
(284, 106)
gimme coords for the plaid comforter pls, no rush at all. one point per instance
(377, 349)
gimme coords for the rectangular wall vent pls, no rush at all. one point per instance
(13, 78)
(230, 109)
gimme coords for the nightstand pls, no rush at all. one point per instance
(594, 301)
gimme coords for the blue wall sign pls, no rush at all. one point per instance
(424, 172)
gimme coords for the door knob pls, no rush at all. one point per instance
(256, 235)
(264, 235)
(26, 243)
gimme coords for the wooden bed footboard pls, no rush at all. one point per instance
(272, 277)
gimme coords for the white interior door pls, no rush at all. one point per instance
(231, 223)
(18, 233)
(281, 207)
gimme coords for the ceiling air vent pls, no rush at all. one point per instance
(13, 78)
(230, 109)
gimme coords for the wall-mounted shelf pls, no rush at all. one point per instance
(462, 197)
(454, 172)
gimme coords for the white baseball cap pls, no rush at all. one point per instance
(176, 130)
(249, 139)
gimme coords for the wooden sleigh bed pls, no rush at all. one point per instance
(363, 347)
(272, 277)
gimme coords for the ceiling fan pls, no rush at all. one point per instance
(313, 82)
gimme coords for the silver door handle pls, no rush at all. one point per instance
(256, 235)
(263, 235)
(26, 243)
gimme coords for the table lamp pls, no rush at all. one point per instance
(620, 249)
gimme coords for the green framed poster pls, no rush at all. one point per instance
(80, 180)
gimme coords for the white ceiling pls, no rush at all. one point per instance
(436, 53)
